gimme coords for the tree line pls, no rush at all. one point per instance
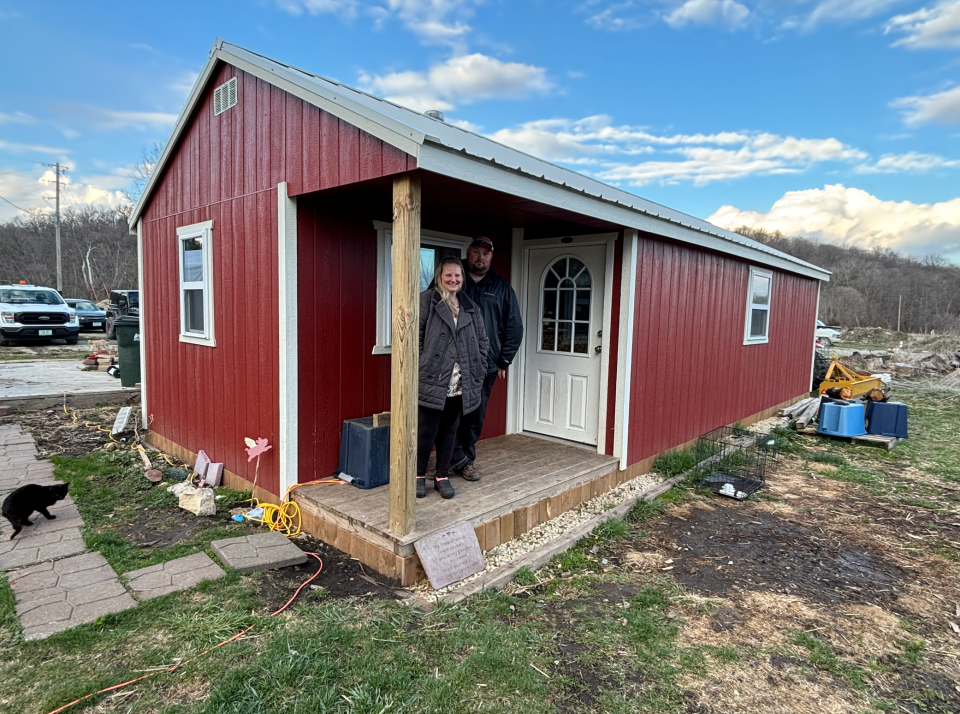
(877, 287)
(98, 253)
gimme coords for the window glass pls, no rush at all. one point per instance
(565, 307)
(758, 306)
(192, 259)
(21, 296)
(193, 310)
(85, 305)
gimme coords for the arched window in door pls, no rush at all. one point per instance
(565, 307)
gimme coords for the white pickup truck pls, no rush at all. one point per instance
(31, 312)
(826, 335)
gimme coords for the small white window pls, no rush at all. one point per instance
(195, 260)
(434, 247)
(758, 307)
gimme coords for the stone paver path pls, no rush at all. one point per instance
(58, 595)
(172, 576)
(18, 460)
(44, 540)
(263, 551)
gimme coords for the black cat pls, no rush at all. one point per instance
(20, 505)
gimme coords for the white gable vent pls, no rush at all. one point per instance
(225, 96)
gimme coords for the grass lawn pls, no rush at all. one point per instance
(808, 597)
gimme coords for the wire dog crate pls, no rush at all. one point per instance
(732, 461)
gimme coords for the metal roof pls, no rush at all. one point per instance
(453, 151)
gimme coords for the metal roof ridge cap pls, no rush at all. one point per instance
(289, 73)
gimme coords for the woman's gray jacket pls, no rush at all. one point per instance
(439, 350)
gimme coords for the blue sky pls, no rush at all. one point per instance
(834, 119)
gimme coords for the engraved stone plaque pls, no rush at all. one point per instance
(120, 425)
(450, 555)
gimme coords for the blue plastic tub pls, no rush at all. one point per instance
(365, 453)
(842, 420)
(887, 419)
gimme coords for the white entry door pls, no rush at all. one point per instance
(564, 318)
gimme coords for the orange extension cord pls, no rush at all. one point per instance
(175, 667)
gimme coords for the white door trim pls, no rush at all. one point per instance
(628, 291)
(289, 354)
(515, 373)
(519, 278)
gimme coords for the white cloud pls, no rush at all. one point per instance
(851, 216)
(19, 148)
(183, 82)
(38, 192)
(942, 107)
(102, 119)
(459, 80)
(344, 8)
(843, 11)
(700, 158)
(727, 13)
(436, 21)
(16, 118)
(929, 27)
(911, 161)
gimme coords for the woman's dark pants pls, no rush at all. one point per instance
(438, 427)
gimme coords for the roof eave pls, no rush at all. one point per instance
(457, 164)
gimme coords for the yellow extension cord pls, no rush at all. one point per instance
(284, 518)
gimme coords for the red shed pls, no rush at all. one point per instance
(281, 239)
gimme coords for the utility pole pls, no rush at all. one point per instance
(899, 308)
(57, 224)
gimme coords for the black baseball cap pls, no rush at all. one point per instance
(482, 240)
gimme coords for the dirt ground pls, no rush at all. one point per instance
(818, 571)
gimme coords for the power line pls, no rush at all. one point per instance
(14, 205)
(17, 158)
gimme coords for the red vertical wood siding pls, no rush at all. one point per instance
(226, 168)
(340, 377)
(691, 371)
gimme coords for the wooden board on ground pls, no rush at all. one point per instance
(450, 555)
(887, 442)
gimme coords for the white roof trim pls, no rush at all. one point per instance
(448, 150)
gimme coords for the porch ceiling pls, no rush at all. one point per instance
(448, 202)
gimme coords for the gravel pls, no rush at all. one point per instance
(510, 551)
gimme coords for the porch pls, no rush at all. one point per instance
(526, 481)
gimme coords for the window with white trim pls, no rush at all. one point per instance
(757, 328)
(434, 247)
(195, 264)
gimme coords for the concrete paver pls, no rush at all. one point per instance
(264, 551)
(18, 460)
(57, 595)
(172, 576)
(44, 540)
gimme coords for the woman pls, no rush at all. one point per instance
(453, 363)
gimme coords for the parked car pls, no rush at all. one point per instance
(122, 302)
(88, 314)
(32, 312)
(826, 335)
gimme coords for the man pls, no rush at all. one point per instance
(501, 317)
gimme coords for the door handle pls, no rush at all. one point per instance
(598, 349)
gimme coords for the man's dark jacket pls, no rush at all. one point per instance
(501, 317)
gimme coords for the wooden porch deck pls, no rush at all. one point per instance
(526, 481)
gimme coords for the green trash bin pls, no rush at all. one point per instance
(128, 341)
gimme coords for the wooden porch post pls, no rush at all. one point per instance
(405, 352)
